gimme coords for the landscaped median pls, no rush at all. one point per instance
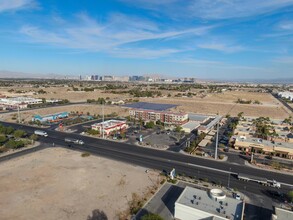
(11, 139)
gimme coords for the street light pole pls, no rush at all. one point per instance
(103, 127)
(217, 139)
(229, 178)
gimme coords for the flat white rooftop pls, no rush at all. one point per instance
(205, 205)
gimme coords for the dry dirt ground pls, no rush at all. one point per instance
(92, 109)
(224, 103)
(60, 184)
(63, 93)
(212, 103)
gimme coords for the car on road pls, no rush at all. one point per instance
(41, 133)
(74, 141)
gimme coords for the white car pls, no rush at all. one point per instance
(237, 196)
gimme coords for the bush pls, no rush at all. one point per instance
(15, 144)
(290, 196)
(221, 157)
(151, 216)
(85, 154)
(150, 124)
(3, 139)
(205, 179)
(92, 132)
(19, 133)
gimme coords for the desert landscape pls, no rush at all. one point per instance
(84, 108)
(61, 184)
(225, 103)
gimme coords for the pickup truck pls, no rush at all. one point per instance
(41, 133)
(74, 141)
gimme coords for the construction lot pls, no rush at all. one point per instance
(58, 183)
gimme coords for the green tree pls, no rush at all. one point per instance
(34, 137)
(150, 124)
(178, 128)
(14, 144)
(3, 139)
(151, 216)
(19, 133)
(9, 130)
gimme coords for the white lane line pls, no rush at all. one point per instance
(209, 168)
(286, 184)
(227, 172)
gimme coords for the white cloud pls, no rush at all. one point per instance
(211, 9)
(196, 61)
(286, 25)
(13, 5)
(284, 60)
(116, 36)
(221, 47)
(215, 64)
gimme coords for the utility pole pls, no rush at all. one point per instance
(103, 133)
(217, 140)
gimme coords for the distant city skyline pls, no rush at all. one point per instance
(205, 39)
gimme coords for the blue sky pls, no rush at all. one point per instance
(211, 39)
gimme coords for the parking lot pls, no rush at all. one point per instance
(160, 139)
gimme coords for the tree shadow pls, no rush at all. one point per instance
(97, 215)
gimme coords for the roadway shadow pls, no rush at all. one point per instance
(275, 194)
(170, 197)
(253, 212)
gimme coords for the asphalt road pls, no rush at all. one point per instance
(215, 171)
(283, 102)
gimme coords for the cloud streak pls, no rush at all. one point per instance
(221, 47)
(14, 5)
(211, 9)
(116, 36)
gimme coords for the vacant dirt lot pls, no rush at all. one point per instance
(225, 104)
(92, 109)
(62, 93)
(233, 96)
(60, 184)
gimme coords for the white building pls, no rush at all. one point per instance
(195, 204)
(190, 126)
(21, 102)
(110, 126)
(287, 95)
